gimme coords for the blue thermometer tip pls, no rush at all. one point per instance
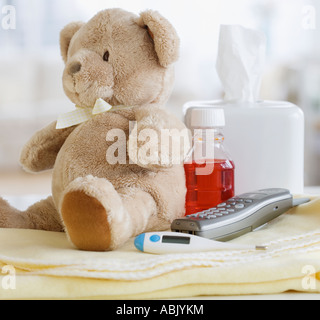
(139, 242)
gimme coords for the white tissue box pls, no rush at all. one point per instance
(265, 141)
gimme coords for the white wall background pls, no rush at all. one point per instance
(31, 92)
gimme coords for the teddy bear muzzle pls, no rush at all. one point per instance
(87, 77)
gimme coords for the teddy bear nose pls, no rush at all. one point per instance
(75, 68)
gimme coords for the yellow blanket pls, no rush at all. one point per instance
(43, 265)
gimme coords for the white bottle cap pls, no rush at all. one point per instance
(207, 118)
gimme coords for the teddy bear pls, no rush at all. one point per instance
(119, 73)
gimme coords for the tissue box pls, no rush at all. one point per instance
(265, 141)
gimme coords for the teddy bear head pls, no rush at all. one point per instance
(119, 57)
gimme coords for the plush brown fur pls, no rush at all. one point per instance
(101, 205)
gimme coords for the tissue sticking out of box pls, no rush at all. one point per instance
(240, 63)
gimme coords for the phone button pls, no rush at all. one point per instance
(222, 205)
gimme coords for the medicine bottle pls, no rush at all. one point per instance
(208, 167)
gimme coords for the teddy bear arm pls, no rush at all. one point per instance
(164, 130)
(40, 153)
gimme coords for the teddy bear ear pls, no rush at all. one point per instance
(163, 34)
(66, 35)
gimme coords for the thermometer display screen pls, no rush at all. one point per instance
(175, 240)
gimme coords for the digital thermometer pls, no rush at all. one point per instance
(171, 242)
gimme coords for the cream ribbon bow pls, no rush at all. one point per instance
(81, 115)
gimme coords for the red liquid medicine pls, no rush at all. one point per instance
(207, 191)
(208, 168)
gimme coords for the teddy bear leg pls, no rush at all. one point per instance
(142, 210)
(99, 218)
(40, 216)
(94, 216)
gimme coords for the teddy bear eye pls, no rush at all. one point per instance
(106, 56)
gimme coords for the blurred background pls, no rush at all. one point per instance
(31, 93)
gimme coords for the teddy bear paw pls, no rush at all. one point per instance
(86, 221)
(90, 208)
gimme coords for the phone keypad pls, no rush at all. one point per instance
(229, 207)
